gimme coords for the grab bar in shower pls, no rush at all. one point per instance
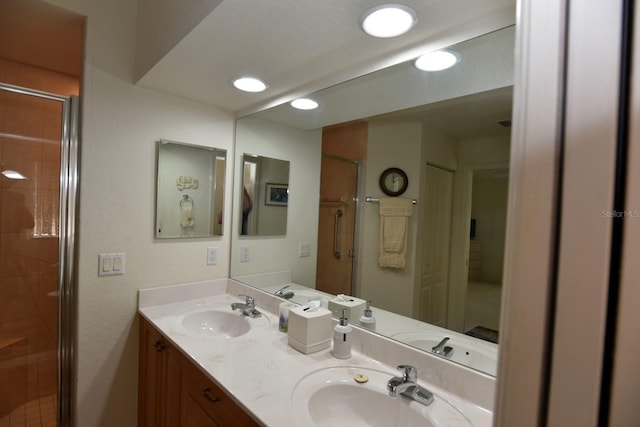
(336, 234)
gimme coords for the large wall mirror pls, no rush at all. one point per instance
(189, 191)
(449, 132)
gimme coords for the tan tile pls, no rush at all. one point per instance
(62, 84)
(50, 177)
(18, 418)
(52, 123)
(23, 75)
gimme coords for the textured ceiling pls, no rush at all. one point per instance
(296, 44)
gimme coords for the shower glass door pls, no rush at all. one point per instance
(33, 153)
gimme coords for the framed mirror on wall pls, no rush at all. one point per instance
(447, 131)
(189, 190)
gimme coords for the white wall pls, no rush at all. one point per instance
(389, 145)
(489, 208)
(484, 151)
(120, 124)
(440, 150)
(303, 150)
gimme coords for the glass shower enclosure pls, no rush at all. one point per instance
(38, 147)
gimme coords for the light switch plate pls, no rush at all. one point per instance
(111, 264)
(304, 249)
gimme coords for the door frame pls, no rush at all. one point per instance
(565, 134)
(460, 228)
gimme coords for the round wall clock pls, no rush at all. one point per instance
(393, 182)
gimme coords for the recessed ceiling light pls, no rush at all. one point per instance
(304, 104)
(388, 20)
(249, 84)
(437, 61)
(13, 174)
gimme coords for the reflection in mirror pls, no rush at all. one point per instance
(449, 132)
(265, 196)
(190, 190)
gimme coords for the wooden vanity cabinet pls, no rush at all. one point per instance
(173, 392)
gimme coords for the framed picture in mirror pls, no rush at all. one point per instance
(277, 194)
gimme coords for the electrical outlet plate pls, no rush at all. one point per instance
(212, 255)
(244, 253)
(111, 264)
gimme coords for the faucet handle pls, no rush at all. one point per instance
(250, 301)
(409, 373)
(281, 290)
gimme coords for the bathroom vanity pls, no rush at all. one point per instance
(173, 391)
(204, 364)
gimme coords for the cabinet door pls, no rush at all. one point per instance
(172, 388)
(150, 375)
(160, 379)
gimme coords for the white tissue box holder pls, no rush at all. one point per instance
(309, 331)
(353, 307)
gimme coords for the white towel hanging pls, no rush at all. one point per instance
(394, 225)
(187, 219)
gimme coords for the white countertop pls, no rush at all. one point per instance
(260, 370)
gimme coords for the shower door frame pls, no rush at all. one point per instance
(67, 266)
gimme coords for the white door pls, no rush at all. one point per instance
(434, 284)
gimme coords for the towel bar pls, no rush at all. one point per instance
(373, 200)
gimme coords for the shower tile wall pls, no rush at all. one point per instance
(30, 130)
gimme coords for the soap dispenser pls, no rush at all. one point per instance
(367, 320)
(342, 338)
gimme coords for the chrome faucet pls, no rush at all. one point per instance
(248, 308)
(442, 350)
(407, 385)
(281, 293)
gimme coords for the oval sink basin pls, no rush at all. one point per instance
(479, 356)
(216, 323)
(331, 397)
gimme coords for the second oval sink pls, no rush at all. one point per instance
(216, 323)
(331, 396)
